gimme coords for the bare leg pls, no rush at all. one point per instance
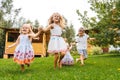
(77, 59)
(55, 60)
(22, 67)
(82, 59)
(60, 59)
(28, 64)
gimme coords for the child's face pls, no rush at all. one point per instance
(25, 29)
(56, 17)
(81, 32)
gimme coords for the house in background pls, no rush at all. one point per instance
(39, 44)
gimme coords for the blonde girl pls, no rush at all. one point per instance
(57, 45)
(24, 53)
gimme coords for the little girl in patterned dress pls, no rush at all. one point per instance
(56, 45)
(24, 53)
(68, 59)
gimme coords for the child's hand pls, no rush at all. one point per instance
(40, 28)
(52, 26)
(73, 43)
(7, 47)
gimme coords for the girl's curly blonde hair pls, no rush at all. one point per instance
(30, 28)
(62, 20)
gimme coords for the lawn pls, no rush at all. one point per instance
(98, 67)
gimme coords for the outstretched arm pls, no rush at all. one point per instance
(33, 35)
(91, 39)
(70, 46)
(48, 28)
(14, 44)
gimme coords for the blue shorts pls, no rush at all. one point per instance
(82, 52)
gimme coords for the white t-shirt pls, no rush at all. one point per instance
(82, 41)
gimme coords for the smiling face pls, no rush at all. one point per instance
(56, 18)
(81, 32)
(25, 29)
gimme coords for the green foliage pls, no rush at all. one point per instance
(102, 67)
(29, 22)
(106, 25)
(36, 25)
(95, 50)
(2, 42)
(69, 33)
(8, 13)
(20, 22)
(7, 19)
(84, 19)
(115, 52)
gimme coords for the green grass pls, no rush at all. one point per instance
(97, 67)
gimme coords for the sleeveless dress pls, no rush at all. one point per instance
(24, 53)
(67, 59)
(56, 43)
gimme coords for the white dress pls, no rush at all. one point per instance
(24, 53)
(68, 59)
(56, 43)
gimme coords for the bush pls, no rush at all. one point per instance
(73, 52)
(114, 52)
(95, 50)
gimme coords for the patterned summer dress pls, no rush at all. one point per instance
(67, 59)
(24, 53)
(56, 43)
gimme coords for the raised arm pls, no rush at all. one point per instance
(34, 35)
(48, 28)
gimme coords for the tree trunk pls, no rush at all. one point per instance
(105, 50)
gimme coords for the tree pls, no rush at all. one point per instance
(36, 24)
(105, 25)
(8, 13)
(20, 22)
(69, 33)
(7, 19)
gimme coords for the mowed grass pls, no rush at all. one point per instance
(97, 67)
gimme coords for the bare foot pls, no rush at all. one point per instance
(22, 68)
(82, 64)
(60, 65)
(77, 60)
(85, 58)
(28, 65)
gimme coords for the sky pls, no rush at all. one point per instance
(43, 9)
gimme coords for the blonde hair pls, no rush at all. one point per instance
(30, 28)
(61, 22)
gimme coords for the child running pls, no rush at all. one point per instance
(56, 45)
(24, 53)
(81, 41)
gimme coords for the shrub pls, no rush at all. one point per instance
(114, 52)
(95, 50)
